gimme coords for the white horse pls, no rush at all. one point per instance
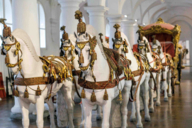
(166, 70)
(155, 69)
(119, 46)
(68, 51)
(31, 67)
(101, 72)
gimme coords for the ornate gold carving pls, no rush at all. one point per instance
(175, 33)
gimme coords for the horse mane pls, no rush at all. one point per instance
(19, 33)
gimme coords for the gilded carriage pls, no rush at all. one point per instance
(165, 32)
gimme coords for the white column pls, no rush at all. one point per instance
(97, 18)
(129, 29)
(113, 19)
(68, 8)
(25, 16)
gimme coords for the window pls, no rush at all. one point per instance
(5, 12)
(42, 35)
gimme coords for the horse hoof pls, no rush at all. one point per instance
(151, 110)
(133, 120)
(147, 119)
(165, 99)
(139, 126)
(98, 118)
(169, 95)
(154, 99)
(157, 104)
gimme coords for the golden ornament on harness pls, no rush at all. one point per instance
(65, 35)
(26, 94)
(83, 93)
(117, 33)
(38, 91)
(93, 97)
(81, 27)
(117, 46)
(94, 56)
(16, 92)
(105, 97)
(7, 47)
(6, 30)
(81, 58)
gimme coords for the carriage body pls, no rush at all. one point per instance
(165, 33)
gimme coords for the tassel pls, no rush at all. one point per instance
(16, 92)
(7, 59)
(38, 91)
(105, 97)
(94, 56)
(120, 96)
(93, 97)
(83, 93)
(26, 94)
(81, 58)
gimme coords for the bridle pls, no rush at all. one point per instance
(65, 48)
(7, 47)
(92, 43)
(117, 45)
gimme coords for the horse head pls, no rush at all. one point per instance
(119, 44)
(85, 46)
(11, 48)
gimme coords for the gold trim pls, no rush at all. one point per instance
(175, 33)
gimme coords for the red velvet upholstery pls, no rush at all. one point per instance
(163, 25)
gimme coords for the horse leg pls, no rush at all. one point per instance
(125, 96)
(165, 85)
(40, 111)
(169, 83)
(137, 104)
(113, 106)
(67, 89)
(87, 109)
(106, 114)
(25, 113)
(158, 78)
(51, 113)
(98, 113)
(82, 115)
(151, 107)
(133, 112)
(146, 100)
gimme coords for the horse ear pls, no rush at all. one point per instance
(138, 41)
(75, 34)
(113, 40)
